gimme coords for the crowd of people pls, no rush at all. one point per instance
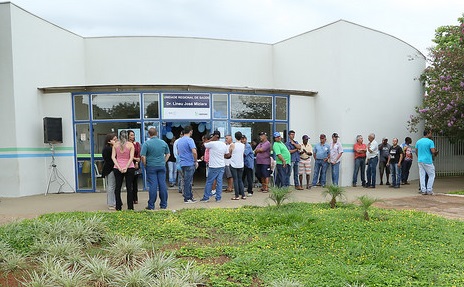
(236, 163)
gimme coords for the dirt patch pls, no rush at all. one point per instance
(448, 206)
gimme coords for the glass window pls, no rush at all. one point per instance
(251, 107)
(220, 106)
(222, 127)
(84, 161)
(281, 108)
(148, 125)
(282, 128)
(116, 106)
(252, 129)
(81, 107)
(151, 106)
(100, 130)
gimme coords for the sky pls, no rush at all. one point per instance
(264, 21)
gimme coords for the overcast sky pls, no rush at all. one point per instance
(267, 21)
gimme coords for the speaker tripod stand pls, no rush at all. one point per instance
(56, 175)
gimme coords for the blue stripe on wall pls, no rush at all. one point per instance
(35, 155)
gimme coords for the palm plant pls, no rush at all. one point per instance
(366, 203)
(279, 194)
(334, 191)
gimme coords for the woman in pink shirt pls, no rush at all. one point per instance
(123, 158)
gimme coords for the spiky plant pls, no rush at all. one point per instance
(134, 277)
(89, 231)
(35, 279)
(13, 261)
(334, 192)
(191, 274)
(279, 194)
(70, 277)
(285, 282)
(126, 250)
(5, 250)
(99, 271)
(366, 203)
(170, 278)
(59, 247)
(159, 262)
(50, 230)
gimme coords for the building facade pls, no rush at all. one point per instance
(342, 78)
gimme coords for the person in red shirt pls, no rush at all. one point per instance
(360, 150)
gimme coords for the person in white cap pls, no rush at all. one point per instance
(304, 165)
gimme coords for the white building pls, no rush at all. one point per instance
(342, 78)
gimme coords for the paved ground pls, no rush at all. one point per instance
(406, 197)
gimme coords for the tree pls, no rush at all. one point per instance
(442, 108)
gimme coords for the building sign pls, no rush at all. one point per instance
(183, 106)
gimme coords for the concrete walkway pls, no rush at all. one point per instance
(32, 206)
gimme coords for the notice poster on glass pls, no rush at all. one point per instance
(244, 130)
(183, 106)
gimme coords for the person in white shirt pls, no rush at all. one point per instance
(237, 150)
(217, 150)
(372, 160)
(336, 151)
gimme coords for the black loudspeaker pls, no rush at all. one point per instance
(52, 130)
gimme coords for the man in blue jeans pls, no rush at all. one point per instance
(395, 158)
(294, 148)
(155, 154)
(372, 160)
(321, 153)
(425, 152)
(217, 151)
(188, 161)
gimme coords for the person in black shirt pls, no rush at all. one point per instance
(394, 160)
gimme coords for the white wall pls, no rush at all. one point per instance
(171, 60)
(10, 179)
(365, 80)
(42, 55)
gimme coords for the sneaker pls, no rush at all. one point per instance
(218, 200)
(387, 183)
(213, 192)
(190, 201)
(148, 208)
(381, 183)
(204, 200)
(250, 194)
(111, 207)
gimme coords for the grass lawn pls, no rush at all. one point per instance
(298, 243)
(461, 192)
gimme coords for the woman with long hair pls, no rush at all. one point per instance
(123, 158)
(107, 171)
(138, 170)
